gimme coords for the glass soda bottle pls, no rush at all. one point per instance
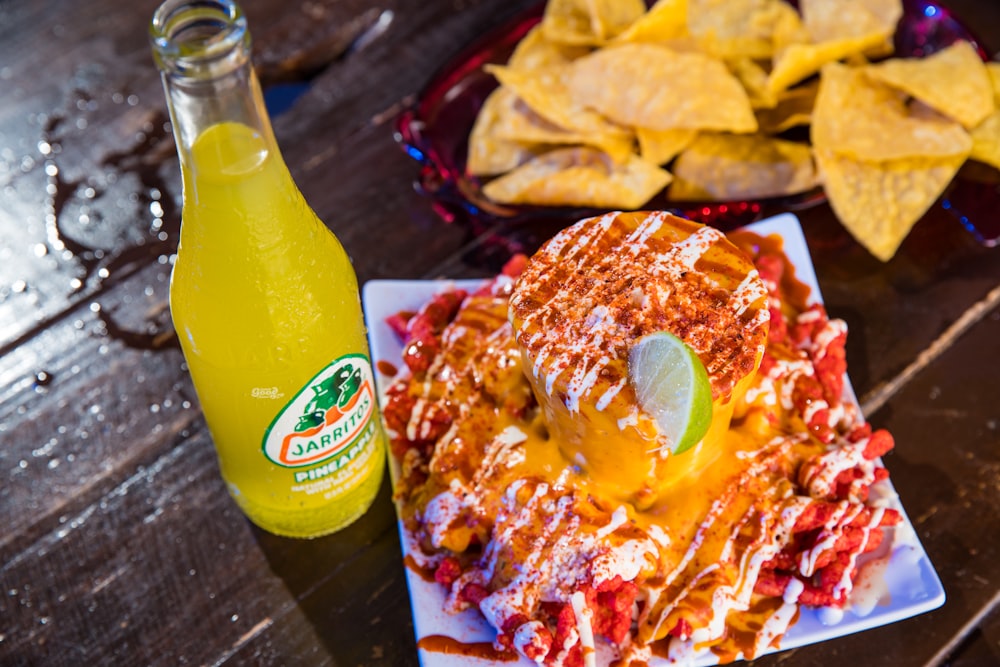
(263, 296)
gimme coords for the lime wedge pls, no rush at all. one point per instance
(671, 386)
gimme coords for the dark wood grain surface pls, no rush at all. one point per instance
(118, 541)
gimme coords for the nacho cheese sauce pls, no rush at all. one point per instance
(597, 287)
(563, 567)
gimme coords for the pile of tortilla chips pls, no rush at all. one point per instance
(605, 103)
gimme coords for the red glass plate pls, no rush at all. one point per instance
(435, 132)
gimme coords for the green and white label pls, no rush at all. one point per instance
(327, 416)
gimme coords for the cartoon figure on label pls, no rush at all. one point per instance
(335, 391)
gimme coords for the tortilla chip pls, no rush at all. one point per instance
(647, 85)
(615, 16)
(993, 69)
(732, 28)
(831, 30)
(589, 22)
(685, 44)
(568, 22)
(794, 108)
(879, 202)
(840, 20)
(579, 177)
(865, 119)
(666, 20)
(536, 52)
(489, 153)
(788, 30)
(724, 167)
(986, 135)
(954, 81)
(874, 52)
(754, 80)
(546, 93)
(800, 61)
(662, 146)
(986, 140)
(516, 122)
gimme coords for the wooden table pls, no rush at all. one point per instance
(118, 541)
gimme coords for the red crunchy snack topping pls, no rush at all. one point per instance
(510, 528)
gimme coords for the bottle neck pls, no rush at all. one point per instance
(202, 48)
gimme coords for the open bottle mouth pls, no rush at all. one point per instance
(199, 39)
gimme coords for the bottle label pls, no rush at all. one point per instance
(332, 415)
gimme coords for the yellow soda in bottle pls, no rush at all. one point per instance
(263, 296)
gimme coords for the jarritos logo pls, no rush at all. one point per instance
(325, 417)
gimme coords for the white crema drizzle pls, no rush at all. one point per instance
(737, 596)
(561, 556)
(555, 356)
(728, 598)
(821, 473)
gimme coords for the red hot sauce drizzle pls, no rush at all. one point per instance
(449, 646)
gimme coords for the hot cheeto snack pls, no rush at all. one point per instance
(528, 519)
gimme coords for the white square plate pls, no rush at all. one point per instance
(888, 591)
